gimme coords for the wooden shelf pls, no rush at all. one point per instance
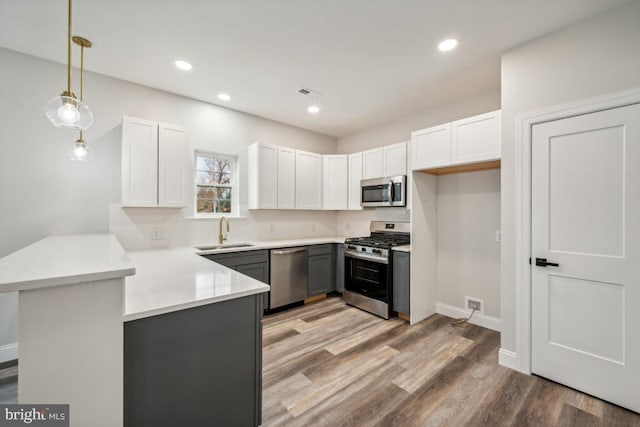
(472, 167)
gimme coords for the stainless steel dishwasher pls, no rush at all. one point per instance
(289, 276)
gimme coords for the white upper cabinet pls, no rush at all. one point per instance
(308, 180)
(263, 176)
(336, 188)
(153, 164)
(477, 138)
(373, 163)
(172, 166)
(431, 147)
(390, 160)
(409, 183)
(395, 159)
(355, 175)
(286, 178)
(471, 140)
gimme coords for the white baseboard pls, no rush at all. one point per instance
(8, 352)
(508, 358)
(479, 319)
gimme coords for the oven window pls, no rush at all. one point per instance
(375, 193)
(367, 278)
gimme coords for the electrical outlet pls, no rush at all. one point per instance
(498, 236)
(157, 234)
(472, 303)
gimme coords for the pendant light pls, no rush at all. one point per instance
(66, 111)
(81, 152)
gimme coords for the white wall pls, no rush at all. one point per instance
(468, 255)
(591, 58)
(43, 193)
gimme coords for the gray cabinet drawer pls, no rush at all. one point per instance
(319, 250)
(240, 258)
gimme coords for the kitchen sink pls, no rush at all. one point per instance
(223, 246)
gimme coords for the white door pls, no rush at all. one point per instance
(586, 218)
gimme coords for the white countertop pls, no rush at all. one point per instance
(177, 278)
(404, 248)
(64, 260)
(256, 245)
(161, 280)
(174, 279)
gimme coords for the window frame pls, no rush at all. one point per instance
(233, 184)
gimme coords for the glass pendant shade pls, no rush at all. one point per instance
(81, 153)
(68, 112)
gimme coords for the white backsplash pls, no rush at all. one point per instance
(134, 227)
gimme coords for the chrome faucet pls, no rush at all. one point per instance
(222, 237)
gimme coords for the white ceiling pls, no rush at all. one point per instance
(372, 60)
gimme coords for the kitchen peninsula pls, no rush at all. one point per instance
(84, 303)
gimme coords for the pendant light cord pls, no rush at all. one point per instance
(69, 51)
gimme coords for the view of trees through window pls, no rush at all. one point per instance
(213, 184)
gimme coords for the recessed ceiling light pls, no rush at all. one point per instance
(224, 97)
(183, 65)
(447, 45)
(313, 109)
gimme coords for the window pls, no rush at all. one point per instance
(215, 184)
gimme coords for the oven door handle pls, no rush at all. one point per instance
(377, 260)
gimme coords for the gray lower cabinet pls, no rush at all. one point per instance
(401, 281)
(252, 263)
(321, 271)
(339, 266)
(196, 367)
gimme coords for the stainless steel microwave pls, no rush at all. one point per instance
(390, 191)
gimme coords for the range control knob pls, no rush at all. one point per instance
(377, 251)
(351, 247)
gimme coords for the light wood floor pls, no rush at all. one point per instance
(328, 364)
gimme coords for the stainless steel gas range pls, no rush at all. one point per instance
(369, 266)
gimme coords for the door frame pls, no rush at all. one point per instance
(521, 359)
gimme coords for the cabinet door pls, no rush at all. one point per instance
(286, 178)
(339, 267)
(477, 138)
(262, 165)
(259, 271)
(308, 180)
(431, 147)
(320, 274)
(172, 166)
(373, 163)
(395, 159)
(139, 162)
(401, 282)
(335, 193)
(355, 175)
